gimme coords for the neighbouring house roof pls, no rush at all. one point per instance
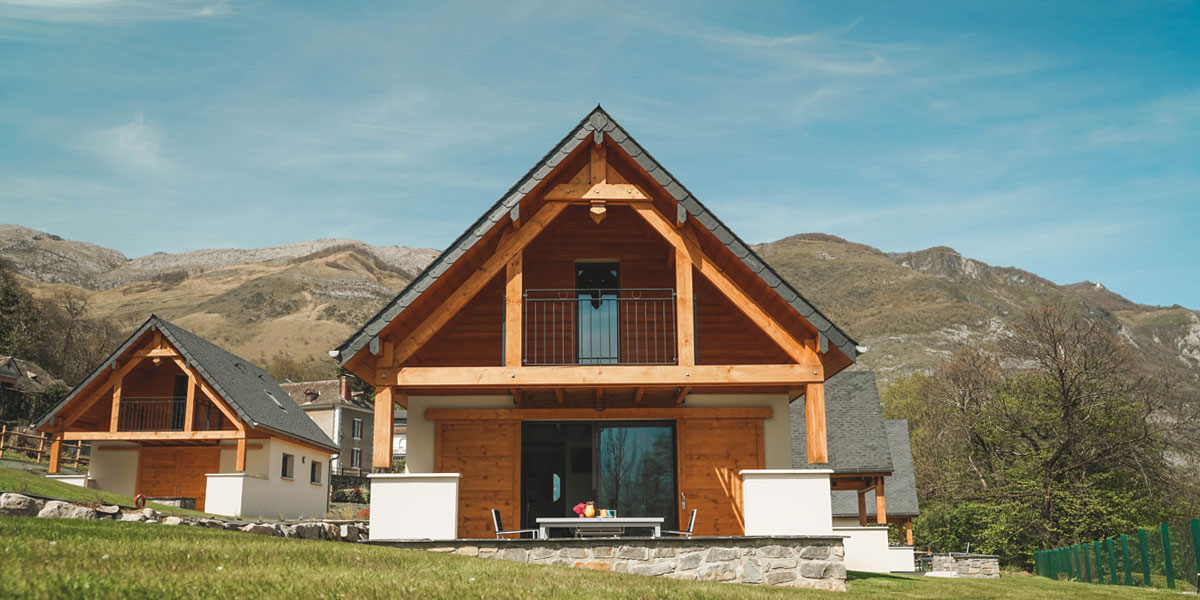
(30, 377)
(329, 394)
(596, 121)
(853, 427)
(247, 389)
(899, 488)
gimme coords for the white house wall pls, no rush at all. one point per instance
(264, 492)
(114, 470)
(420, 431)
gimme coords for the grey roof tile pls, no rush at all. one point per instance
(899, 488)
(596, 120)
(854, 430)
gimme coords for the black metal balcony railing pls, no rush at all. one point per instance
(599, 327)
(165, 413)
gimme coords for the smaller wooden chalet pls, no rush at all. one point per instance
(900, 486)
(171, 415)
(344, 415)
(23, 385)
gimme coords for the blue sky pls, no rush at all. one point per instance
(1062, 138)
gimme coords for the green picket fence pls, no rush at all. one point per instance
(1163, 557)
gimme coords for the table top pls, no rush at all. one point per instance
(598, 521)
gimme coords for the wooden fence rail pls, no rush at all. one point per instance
(9, 443)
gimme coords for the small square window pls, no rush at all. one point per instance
(315, 472)
(288, 468)
(357, 429)
(356, 458)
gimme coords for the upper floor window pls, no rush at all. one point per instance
(598, 287)
(356, 429)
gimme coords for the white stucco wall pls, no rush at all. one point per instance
(114, 470)
(867, 550)
(81, 480)
(264, 492)
(420, 431)
(787, 501)
(777, 430)
(412, 506)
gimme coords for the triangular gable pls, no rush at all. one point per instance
(245, 389)
(597, 123)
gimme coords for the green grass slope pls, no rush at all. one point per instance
(47, 558)
(25, 482)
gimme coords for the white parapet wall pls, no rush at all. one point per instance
(414, 506)
(224, 493)
(81, 480)
(787, 502)
(867, 549)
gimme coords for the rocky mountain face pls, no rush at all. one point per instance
(300, 300)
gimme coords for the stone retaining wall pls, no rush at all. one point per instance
(808, 562)
(975, 566)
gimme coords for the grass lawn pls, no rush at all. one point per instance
(25, 482)
(61, 558)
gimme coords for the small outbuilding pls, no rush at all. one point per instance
(172, 415)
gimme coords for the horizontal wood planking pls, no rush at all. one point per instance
(569, 414)
(473, 337)
(487, 456)
(592, 376)
(725, 335)
(176, 472)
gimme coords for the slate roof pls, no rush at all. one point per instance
(30, 376)
(900, 488)
(853, 427)
(248, 390)
(596, 123)
(329, 394)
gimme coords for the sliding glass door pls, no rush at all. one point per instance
(636, 470)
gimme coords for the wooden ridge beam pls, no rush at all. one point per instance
(592, 376)
(584, 193)
(574, 414)
(476, 282)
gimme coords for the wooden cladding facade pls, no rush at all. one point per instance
(177, 472)
(713, 446)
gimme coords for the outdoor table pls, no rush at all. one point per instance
(545, 523)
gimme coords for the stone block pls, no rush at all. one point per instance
(633, 553)
(540, 553)
(172, 521)
(664, 553)
(774, 551)
(717, 572)
(514, 554)
(258, 529)
(150, 513)
(132, 516)
(594, 565)
(779, 577)
(19, 505)
(814, 570)
(603, 552)
(212, 523)
(655, 569)
(57, 509)
(815, 552)
(109, 512)
(348, 532)
(720, 554)
(775, 565)
(468, 551)
(84, 512)
(752, 572)
(309, 531)
(690, 561)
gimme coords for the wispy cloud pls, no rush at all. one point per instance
(134, 147)
(110, 11)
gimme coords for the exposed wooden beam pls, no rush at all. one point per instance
(133, 436)
(115, 417)
(212, 394)
(156, 353)
(190, 411)
(684, 241)
(476, 282)
(637, 395)
(880, 503)
(617, 193)
(385, 409)
(685, 314)
(514, 290)
(814, 423)
(598, 164)
(558, 396)
(681, 395)
(576, 414)
(862, 508)
(908, 536)
(516, 396)
(139, 447)
(55, 453)
(612, 376)
(599, 398)
(241, 455)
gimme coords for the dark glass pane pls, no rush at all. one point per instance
(598, 318)
(637, 471)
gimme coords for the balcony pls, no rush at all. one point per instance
(599, 327)
(165, 413)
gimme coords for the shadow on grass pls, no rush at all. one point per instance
(868, 576)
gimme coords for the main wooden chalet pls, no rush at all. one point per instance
(598, 334)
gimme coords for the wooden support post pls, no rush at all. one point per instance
(385, 408)
(880, 502)
(55, 454)
(241, 454)
(684, 311)
(3, 434)
(908, 537)
(862, 508)
(814, 422)
(116, 404)
(190, 412)
(41, 448)
(513, 303)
